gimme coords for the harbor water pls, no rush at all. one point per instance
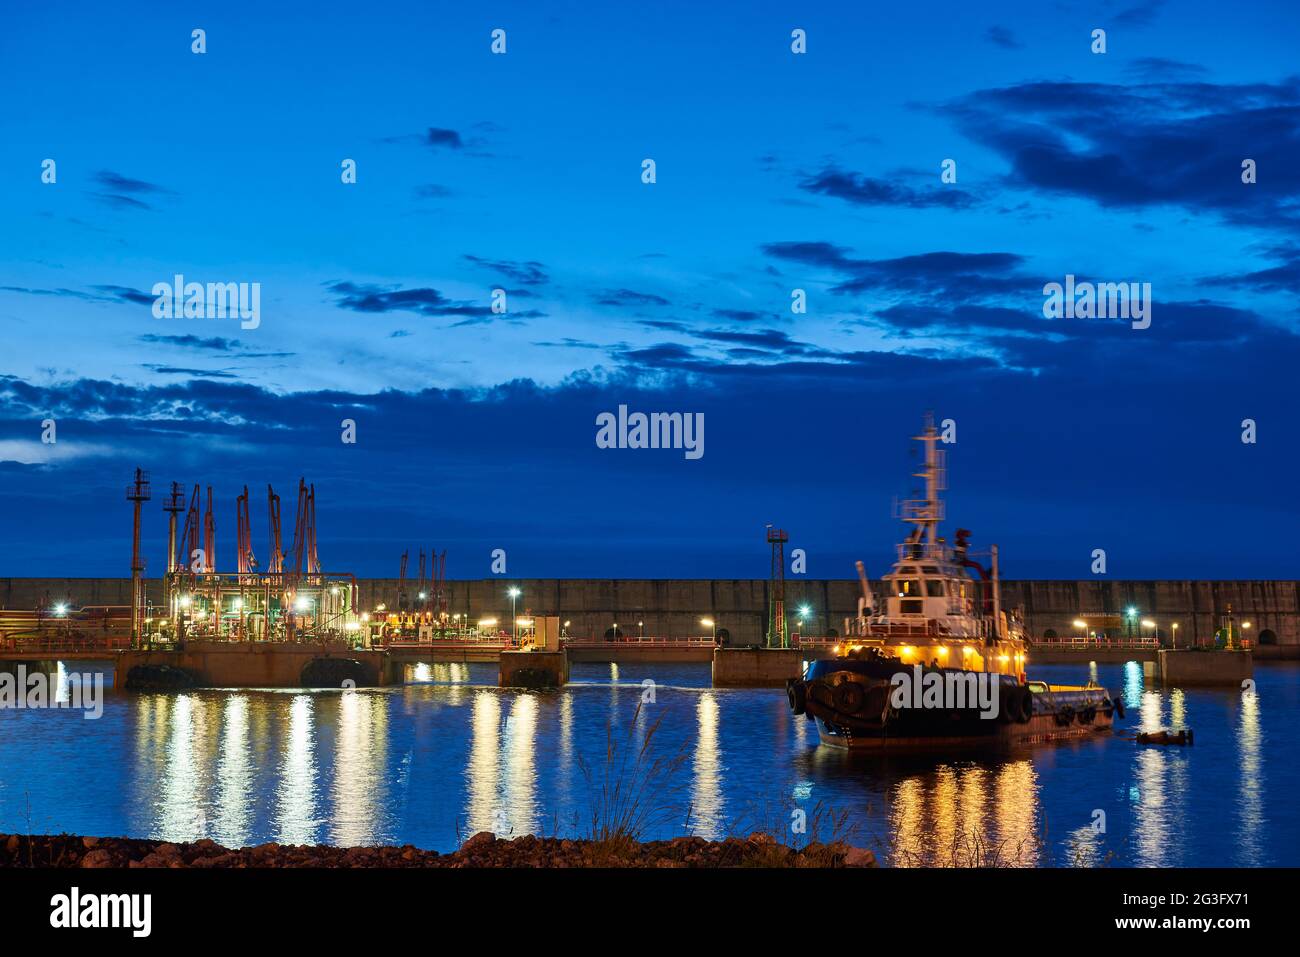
(448, 754)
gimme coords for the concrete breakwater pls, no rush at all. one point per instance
(674, 608)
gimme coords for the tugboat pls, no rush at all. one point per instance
(939, 664)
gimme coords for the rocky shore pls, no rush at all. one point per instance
(481, 850)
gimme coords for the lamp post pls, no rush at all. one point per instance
(710, 623)
(641, 626)
(514, 620)
(1131, 616)
(616, 631)
(1174, 628)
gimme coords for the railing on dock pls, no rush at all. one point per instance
(1080, 642)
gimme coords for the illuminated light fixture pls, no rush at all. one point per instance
(525, 622)
(1132, 612)
(352, 626)
(486, 622)
(422, 596)
(1078, 623)
(381, 608)
(513, 592)
(334, 591)
(302, 604)
(836, 649)
(943, 651)
(968, 650)
(238, 603)
(185, 601)
(60, 609)
(1245, 624)
(365, 616)
(1148, 623)
(706, 622)
(804, 611)
(567, 623)
(1003, 658)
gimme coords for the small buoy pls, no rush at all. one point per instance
(1181, 736)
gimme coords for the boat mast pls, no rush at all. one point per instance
(925, 514)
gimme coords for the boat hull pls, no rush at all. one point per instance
(858, 706)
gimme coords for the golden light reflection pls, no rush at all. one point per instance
(706, 783)
(295, 815)
(520, 797)
(359, 789)
(944, 820)
(481, 798)
(234, 812)
(1250, 791)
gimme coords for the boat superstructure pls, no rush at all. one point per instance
(935, 660)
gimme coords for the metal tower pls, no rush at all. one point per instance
(777, 635)
(137, 492)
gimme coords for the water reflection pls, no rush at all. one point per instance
(453, 755)
(233, 823)
(707, 803)
(295, 806)
(360, 750)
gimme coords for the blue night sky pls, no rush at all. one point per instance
(775, 172)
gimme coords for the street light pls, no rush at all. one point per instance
(1174, 626)
(514, 594)
(641, 626)
(1082, 625)
(616, 631)
(710, 623)
(1148, 623)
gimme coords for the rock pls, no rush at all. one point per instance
(480, 841)
(89, 841)
(11, 845)
(760, 838)
(859, 857)
(97, 858)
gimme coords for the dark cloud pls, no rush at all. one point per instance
(1284, 277)
(630, 297)
(1179, 143)
(739, 315)
(438, 138)
(1001, 36)
(1161, 69)
(956, 276)
(361, 297)
(867, 191)
(211, 344)
(122, 294)
(127, 294)
(1138, 15)
(528, 273)
(123, 192)
(191, 373)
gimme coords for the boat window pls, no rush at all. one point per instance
(911, 606)
(934, 588)
(930, 569)
(907, 587)
(907, 570)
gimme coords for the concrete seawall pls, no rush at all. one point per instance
(672, 608)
